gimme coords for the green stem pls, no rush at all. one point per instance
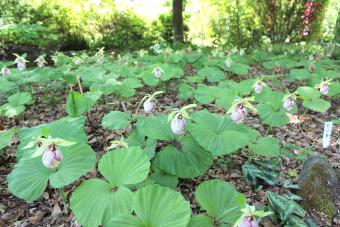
(63, 196)
(31, 88)
(268, 130)
(304, 113)
(139, 105)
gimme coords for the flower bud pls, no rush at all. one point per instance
(289, 103)
(239, 113)
(311, 68)
(5, 72)
(258, 88)
(228, 62)
(52, 157)
(324, 88)
(249, 221)
(148, 106)
(178, 124)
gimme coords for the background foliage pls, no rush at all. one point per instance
(88, 24)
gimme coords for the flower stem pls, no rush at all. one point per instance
(268, 130)
(63, 196)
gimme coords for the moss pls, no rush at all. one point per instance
(316, 192)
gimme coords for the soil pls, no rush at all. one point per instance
(49, 210)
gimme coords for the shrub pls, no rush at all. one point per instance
(125, 30)
(234, 24)
(28, 34)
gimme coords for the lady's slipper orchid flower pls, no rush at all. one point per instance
(158, 72)
(148, 102)
(21, 62)
(324, 86)
(52, 157)
(324, 89)
(40, 61)
(249, 221)
(5, 72)
(248, 218)
(178, 124)
(239, 114)
(289, 103)
(258, 87)
(148, 105)
(228, 62)
(177, 118)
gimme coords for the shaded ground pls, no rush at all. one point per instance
(48, 210)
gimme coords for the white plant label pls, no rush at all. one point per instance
(327, 131)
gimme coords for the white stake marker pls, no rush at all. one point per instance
(327, 131)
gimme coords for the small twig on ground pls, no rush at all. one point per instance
(123, 106)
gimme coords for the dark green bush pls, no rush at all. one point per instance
(28, 34)
(162, 27)
(125, 30)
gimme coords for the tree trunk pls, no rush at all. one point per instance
(177, 20)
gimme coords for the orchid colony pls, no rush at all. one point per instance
(52, 153)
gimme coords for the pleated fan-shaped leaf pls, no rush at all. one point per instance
(221, 200)
(30, 177)
(218, 134)
(70, 129)
(190, 161)
(125, 166)
(110, 198)
(156, 206)
(156, 127)
(116, 120)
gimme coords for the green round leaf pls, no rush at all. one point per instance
(70, 129)
(78, 104)
(191, 161)
(218, 134)
(220, 200)
(266, 146)
(5, 138)
(164, 179)
(318, 105)
(10, 110)
(116, 120)
(155, 205)
(126, 221)
(200, 221)
(95, 202)
(308, 93)
(156, 127)
(299, 74)
(29, 178)
(125, 166)
(20, 98)
(212, 73)
(272, 117)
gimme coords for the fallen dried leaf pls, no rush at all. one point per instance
(37, 218)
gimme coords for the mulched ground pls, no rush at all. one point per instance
(49, 211)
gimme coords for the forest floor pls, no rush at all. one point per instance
(49, 210)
